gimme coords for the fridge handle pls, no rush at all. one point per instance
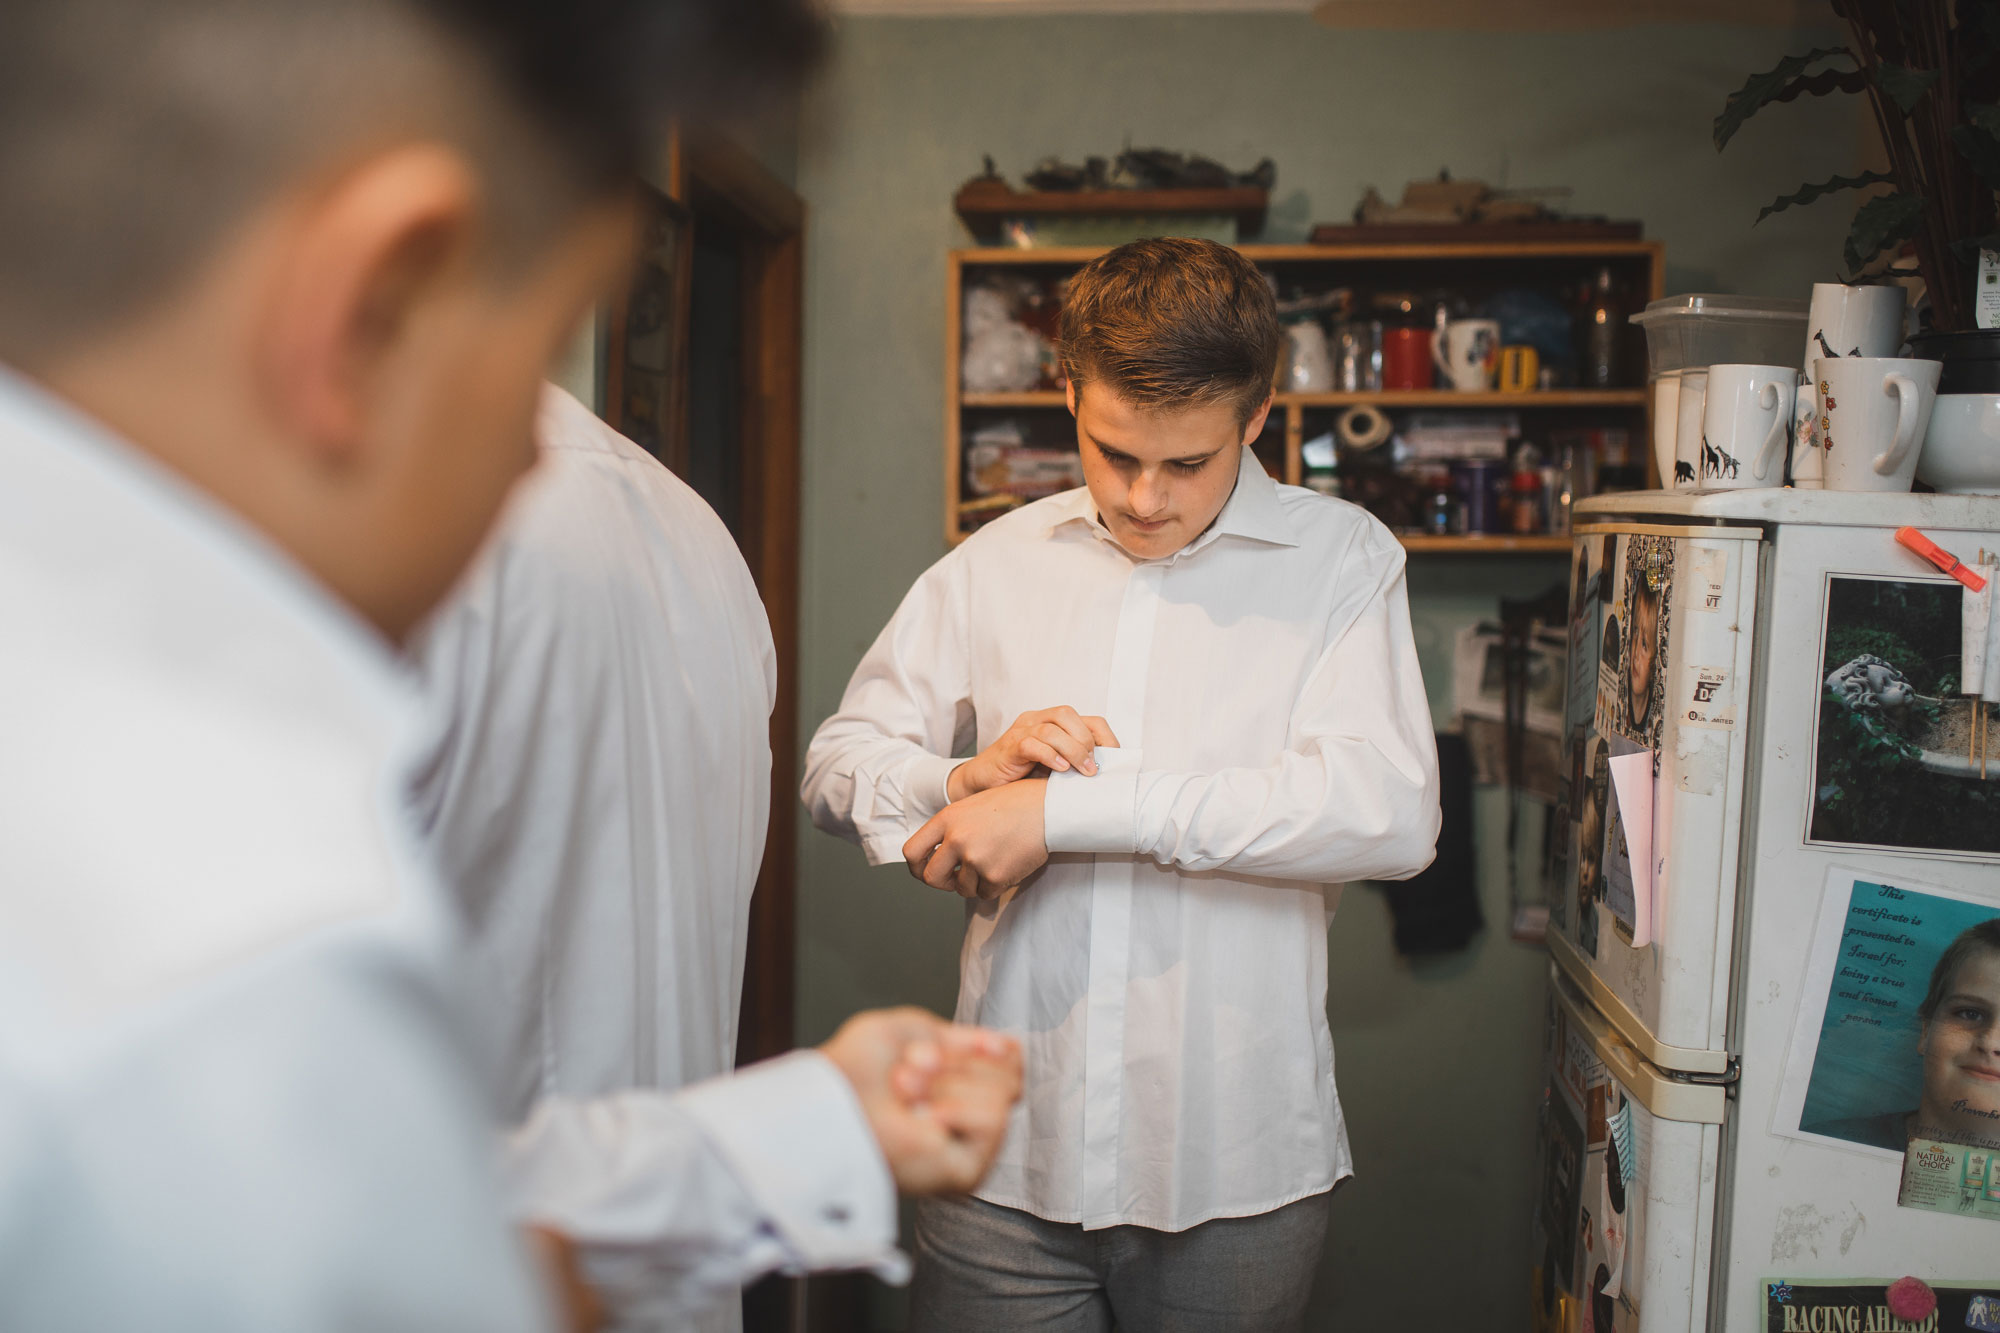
(1667, 1098)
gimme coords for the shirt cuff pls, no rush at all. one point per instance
(1095, 814)
(793, 1132)
(923, 790)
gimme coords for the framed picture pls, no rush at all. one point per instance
(646, 358)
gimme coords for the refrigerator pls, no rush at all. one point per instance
(1772, 842)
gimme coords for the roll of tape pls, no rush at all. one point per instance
(1363, 427)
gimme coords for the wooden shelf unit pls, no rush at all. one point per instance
(1387, 265)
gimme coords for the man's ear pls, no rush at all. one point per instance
(366, 251)
(1255, 426)
(1069, 389)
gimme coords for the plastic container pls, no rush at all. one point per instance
(1704, 329)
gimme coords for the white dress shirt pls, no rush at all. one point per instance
(1167, 969)
(237, 1092)
(598, 785)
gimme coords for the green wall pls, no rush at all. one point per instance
(1437, 1061)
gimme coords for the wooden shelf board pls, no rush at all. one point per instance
(1454, 398)
(1483, 544)
(1287, 254)
(983, 206)
(1031, 398)
(1374, 397)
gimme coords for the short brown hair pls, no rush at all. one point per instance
(1984, 935)
(1171, 323)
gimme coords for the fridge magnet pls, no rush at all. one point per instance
(1645, 599)
(1861, 1305)
(1889, 750)
(1898, 1035)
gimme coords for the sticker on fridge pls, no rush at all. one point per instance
(1868, 1305)
(1898, 1034)
(1639, 700)
(1893, 767)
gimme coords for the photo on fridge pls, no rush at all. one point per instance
(1893, 762)
(1595, 802)
(1898, 1034)
(1639, 691)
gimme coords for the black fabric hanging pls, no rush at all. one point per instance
(1437, 911)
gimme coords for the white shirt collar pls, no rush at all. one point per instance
(1253, 511)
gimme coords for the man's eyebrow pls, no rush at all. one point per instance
(1958, 997)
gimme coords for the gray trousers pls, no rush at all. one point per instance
(982, 1268)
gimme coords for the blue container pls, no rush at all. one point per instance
(1479, 483)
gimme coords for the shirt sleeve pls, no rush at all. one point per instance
(1355, 797)
(876, 770)
(676, 1200)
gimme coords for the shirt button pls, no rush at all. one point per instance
(836, 1214)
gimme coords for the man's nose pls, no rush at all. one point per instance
(1148, 495)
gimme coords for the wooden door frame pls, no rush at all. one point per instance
(717, 178)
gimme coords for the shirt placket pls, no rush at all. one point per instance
(1112, 879)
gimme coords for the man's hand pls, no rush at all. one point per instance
(578, 1305)
(983, 845)
(935, 1093)
(1057, 739)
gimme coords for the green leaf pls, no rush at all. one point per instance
(1906, 87)
(1981, 150)
(1808, 193)
(1883, 221)
(1985, 117)
(1762, 89)
(1967, 248)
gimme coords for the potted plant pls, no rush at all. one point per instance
(1931, 73)
(1930, 70)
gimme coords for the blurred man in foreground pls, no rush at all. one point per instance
(278, 281)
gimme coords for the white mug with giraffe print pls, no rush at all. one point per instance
(1746, 427)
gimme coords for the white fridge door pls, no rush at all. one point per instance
(1862, 868)
(1627, 1175)
(1660, 652)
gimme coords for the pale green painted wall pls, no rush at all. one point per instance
(1437, 1062)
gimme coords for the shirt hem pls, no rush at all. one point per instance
(1074, 1217)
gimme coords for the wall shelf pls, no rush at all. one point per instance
(1473, 266)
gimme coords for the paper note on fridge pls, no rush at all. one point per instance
(1628, 844)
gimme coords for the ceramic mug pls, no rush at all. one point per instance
(1687, 428)
(1666, 390)
(1854, 321)
(1406, 358)
(1872, 413)
(1746, 424)
(1464, 351)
